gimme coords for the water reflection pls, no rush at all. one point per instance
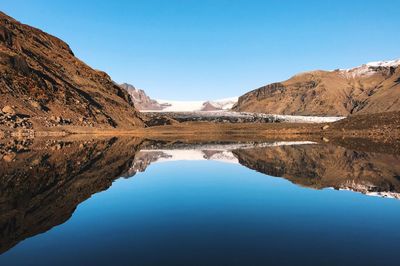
(44, 180)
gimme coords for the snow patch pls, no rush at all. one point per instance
(309, 119)
(380, 194)
(390, 63)
(369, 68)
(368, 189)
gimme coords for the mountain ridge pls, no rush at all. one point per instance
(370, 88)
(140, 99)
(43, 83)
(144, 103)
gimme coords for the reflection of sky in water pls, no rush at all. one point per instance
(197, 212)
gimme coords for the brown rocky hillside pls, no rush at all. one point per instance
(370, 88)
(42, 84)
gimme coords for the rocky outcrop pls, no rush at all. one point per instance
(218, 105)
(158, 119)
(40, 77)
(140, 98)
(14, 121)
(370, 88)
(208, 106)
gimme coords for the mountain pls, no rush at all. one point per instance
(140, 98)
(42, 84)
(144, 103)
(192, 106)
(370, 88)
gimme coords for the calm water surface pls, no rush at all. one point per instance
(218, 204)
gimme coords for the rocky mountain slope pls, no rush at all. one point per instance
(370, 88)
(42, 81)
(141, 100)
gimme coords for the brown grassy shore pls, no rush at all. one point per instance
(382, 127)
(197, 131)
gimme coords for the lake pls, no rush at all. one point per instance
(138, 202)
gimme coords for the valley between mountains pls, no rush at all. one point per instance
(46, 90)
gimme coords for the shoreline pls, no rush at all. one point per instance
(210, 131)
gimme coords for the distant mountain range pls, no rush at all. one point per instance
(370, 88)
(191, 106)
(140, 98)
(144, 103)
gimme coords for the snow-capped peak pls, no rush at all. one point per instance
(224, 104)
(390, 63)
(369, 68)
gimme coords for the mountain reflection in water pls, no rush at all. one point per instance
(43, 181)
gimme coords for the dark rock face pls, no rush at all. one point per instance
(36, 67)
(15, 121)
(362, 90)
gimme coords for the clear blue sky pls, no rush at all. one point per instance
(213, 49)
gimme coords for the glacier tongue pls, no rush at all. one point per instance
(192, 106)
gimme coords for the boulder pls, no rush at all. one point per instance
(9, 157)
(8, 110)
(36, 105)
